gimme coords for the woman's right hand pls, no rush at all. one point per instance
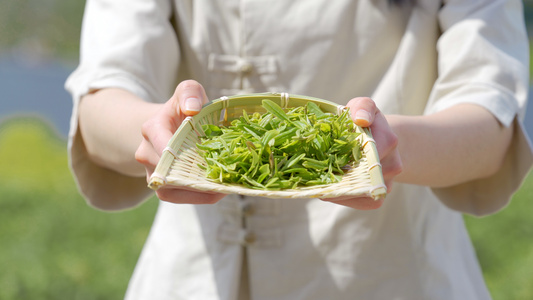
(187, 100)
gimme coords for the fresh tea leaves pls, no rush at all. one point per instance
(281, 150)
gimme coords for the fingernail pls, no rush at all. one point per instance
(363, 115)
(193, 105)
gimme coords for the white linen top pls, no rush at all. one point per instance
(415, 58)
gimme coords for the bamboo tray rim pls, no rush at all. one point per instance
(180, 158)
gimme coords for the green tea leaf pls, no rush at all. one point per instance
(281, 150)
(274, 109)
(314, 109)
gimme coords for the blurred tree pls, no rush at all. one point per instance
(41, 29)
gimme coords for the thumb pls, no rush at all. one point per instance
(363, 111)
(191, 97)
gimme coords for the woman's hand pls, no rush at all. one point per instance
(187, 100)
(365, 114)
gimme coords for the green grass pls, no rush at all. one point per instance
(53, 246)
(504, 245)
(50, 29)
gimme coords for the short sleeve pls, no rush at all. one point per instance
(483, 60)
(127, 44)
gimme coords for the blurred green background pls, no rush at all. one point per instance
(53, 246)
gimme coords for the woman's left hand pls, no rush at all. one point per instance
(365, 113)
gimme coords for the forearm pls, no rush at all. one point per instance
(110, 123)
(459, 144)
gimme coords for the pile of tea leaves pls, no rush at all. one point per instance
(281, 150)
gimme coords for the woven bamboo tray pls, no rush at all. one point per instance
(179, 163)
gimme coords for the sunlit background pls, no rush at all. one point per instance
(53, 246)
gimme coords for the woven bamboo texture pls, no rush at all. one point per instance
(180, 161)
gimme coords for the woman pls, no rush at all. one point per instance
(442, 86)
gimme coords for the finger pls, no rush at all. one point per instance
(158, 131)
(391, 165)
(190, 96)
(386, 139)
(147, 156)
(363, 111)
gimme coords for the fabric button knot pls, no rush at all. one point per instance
(246, 67)
(247, 209)
(248, 238)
